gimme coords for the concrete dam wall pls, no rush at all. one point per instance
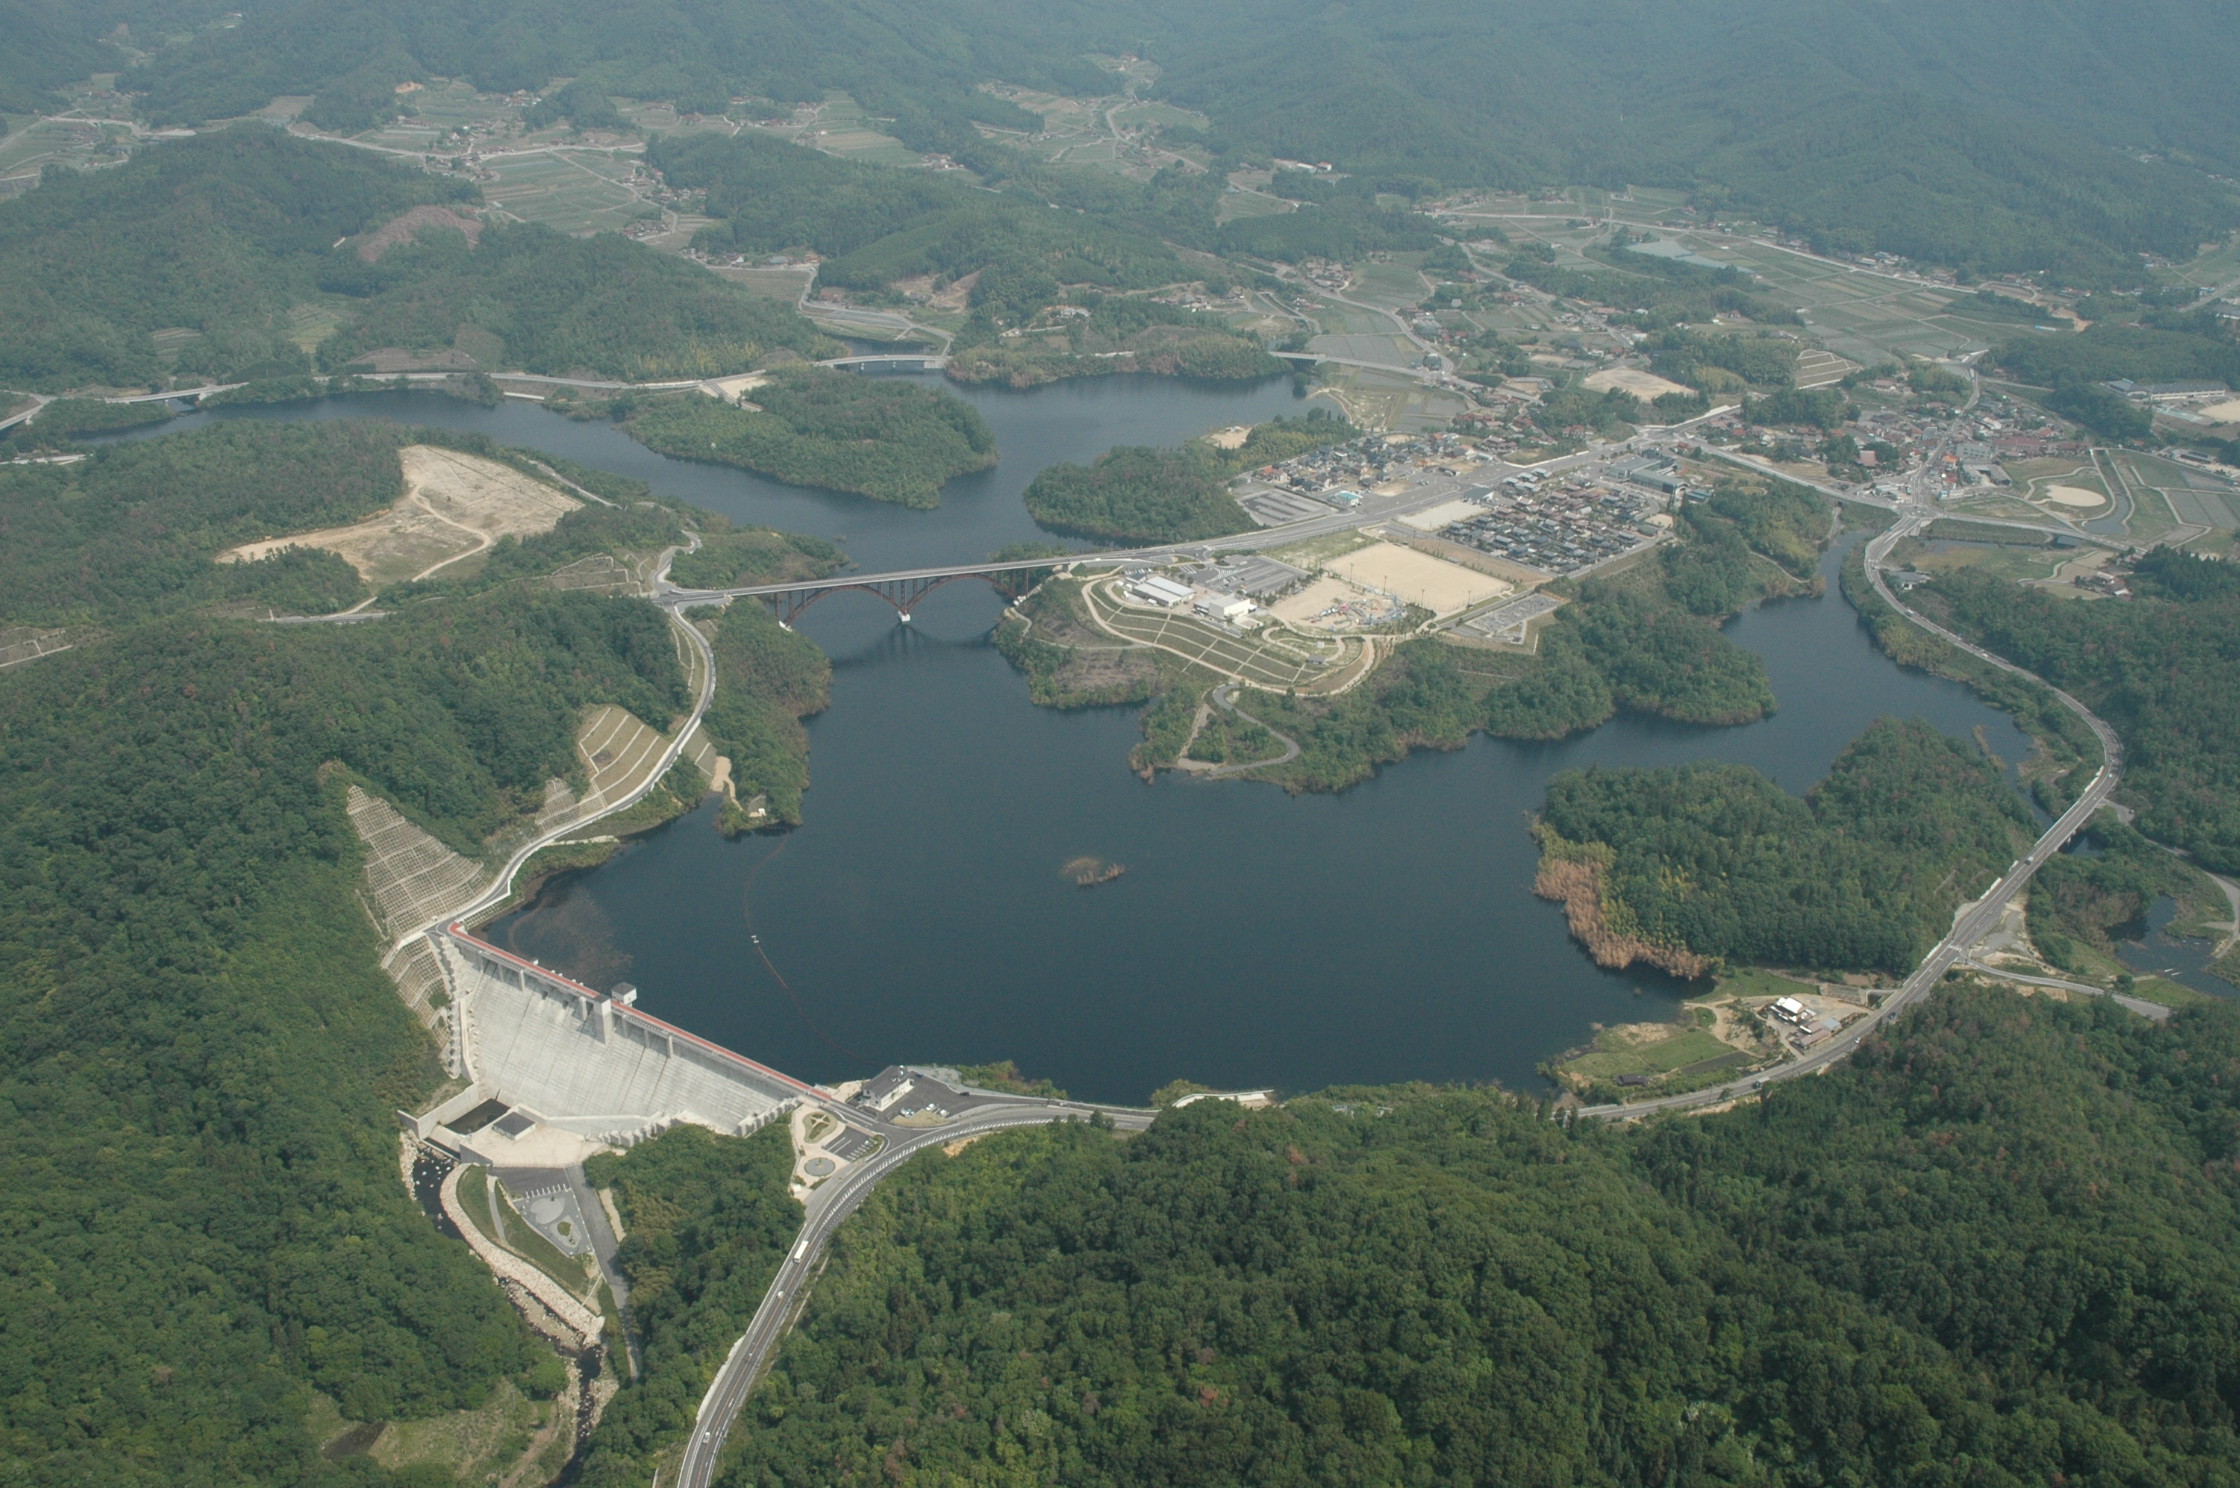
(584, 1063)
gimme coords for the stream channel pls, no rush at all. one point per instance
(1388, 933)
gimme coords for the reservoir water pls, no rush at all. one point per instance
(1385, 934)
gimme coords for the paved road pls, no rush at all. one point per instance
(1974, 921)
(1422, 495)
(2145, 1009)
(503, 884)
(828, 1205)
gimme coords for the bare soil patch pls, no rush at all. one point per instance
(454, 505)
(1643, 385)
(403, 229)
(1438, 586)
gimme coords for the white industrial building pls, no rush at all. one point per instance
(1160, 590)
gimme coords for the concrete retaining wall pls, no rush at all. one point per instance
(582, 1063)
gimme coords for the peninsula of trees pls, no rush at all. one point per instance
(889, 440)
(1694, 866)
(1136, 494)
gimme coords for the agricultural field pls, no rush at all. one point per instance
(82, 141)
(1990, 502)
(1394, 282)
(1116, 132)
(1756, 982)
(2195, 497)
(777, 284)
(571, 191)
(841, 126)
(1383, 400)
(662, 118)
(1248, 201)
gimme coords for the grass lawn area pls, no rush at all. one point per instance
(2170, 994)
(2003, 562)
(535, 1249)
(777, 284)
(1616, 1053)
(1754, 982)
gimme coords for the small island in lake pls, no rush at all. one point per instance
(1089, 872)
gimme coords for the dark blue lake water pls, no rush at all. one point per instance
(1385, 934)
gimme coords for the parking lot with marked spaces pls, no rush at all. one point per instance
(1509, 622)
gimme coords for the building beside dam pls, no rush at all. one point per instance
(572, 1060)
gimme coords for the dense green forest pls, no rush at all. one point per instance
(1994, 1247)
(1862, 874)
(219, 234)
(708, 1219)
(730, 558)
(874, 224)
(1716, 363)
(878, 437)
(528, 298)
(1115, 335)
(923, 66)
(132, 531)
(1917, 128)
(206, 1221)
(2200, 352)
(768, 678)
(2159, 668)
(1136, 494)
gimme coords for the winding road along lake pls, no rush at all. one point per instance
(1385, 934)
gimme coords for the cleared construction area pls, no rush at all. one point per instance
(1643, 385)
(1418, 578)
(454, 506)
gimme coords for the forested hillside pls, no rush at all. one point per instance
(205, 1220)
(889, 440)
(527, 298)
(874, 224)
(215, 239)
(1717, 862)
(218, 234)
(1996, 134)
(2160, 668)
(1996, 1247)
(1917, 128)
(133, 531)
